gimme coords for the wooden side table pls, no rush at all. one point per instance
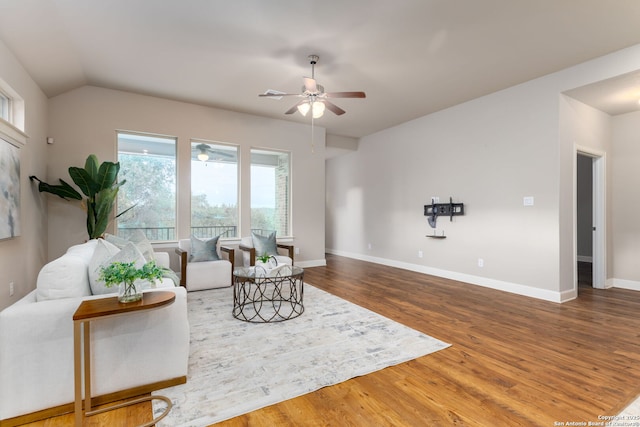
(95, 309)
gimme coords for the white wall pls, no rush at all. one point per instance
(626, 201)
(22, 257)
(488, 153)
(85, 121)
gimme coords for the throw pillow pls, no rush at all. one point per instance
(64, 277)
(138, 238)
(129, 253)
(103, 251)
(265, 244)
(204, 250)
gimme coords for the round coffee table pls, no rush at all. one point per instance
(263, 296)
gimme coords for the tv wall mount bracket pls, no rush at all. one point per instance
(434, 210)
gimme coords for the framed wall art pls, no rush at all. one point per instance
(9, 190)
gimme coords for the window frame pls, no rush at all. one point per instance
(238, 148)
(176, 178)
(289, 154)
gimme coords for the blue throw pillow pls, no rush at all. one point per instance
(203, 250)
(265, 244)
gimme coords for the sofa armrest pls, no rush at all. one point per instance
(183, 266)
(36, 351)
(162, 259)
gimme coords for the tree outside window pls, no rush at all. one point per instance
(270, 190)
(214, 189)
(148, 164)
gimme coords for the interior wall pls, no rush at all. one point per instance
(582, 128)
(22, 257)
(625, 201)
(489, 153)
(85, 120)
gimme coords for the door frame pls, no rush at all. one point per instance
(599, 185)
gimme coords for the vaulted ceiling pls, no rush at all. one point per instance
(411, 57)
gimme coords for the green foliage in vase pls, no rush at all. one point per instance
(98, 182)
(126, 272)
(264, 257)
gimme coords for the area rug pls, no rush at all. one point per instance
(237, 367)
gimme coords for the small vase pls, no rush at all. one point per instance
(127, 292)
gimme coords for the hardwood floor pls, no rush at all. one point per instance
(514, 361)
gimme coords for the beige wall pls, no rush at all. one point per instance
(85, 121)
(22, 257)
(488, 153)
(626, 200)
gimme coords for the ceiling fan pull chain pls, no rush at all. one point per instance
(313, 147)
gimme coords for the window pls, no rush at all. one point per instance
(11, 106)
(270, 189)
(5, 107)
(214, 189)
(148, 164)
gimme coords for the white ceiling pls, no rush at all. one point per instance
(411, 57)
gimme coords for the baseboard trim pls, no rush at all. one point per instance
(625, 284)
(311, 263)
(95, 401)
(499, 285)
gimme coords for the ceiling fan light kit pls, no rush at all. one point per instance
(314, 98)
(317, 108)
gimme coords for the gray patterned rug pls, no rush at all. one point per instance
(237, 367)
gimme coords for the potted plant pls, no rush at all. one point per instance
(124, 275)
(98, 182)
(265, 262)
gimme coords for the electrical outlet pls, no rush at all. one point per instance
(435, 199)
(480, 262)
(11, 289)
(369, 246)
(297, 251)
(419, 254)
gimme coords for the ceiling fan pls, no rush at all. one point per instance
(204, 152)
(314, 98)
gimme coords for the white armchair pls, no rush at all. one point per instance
(282, 252)
(196, 276)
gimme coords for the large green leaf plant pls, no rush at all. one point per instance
(98, 182)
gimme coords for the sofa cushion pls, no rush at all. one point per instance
(203, 250)
(64, 277)
(265, 244)
(138, 238)
(84, 250)
(103, 252)
(129, 253)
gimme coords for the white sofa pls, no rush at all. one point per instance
(138, 352)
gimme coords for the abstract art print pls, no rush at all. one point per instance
(9, 190)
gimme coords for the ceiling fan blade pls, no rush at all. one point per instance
(295, 107)
(310, 85)
(346, 95)
(333, 108)
(278, 95)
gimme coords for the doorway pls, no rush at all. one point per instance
(590, 218)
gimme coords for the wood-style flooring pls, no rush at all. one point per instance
(514, 361)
